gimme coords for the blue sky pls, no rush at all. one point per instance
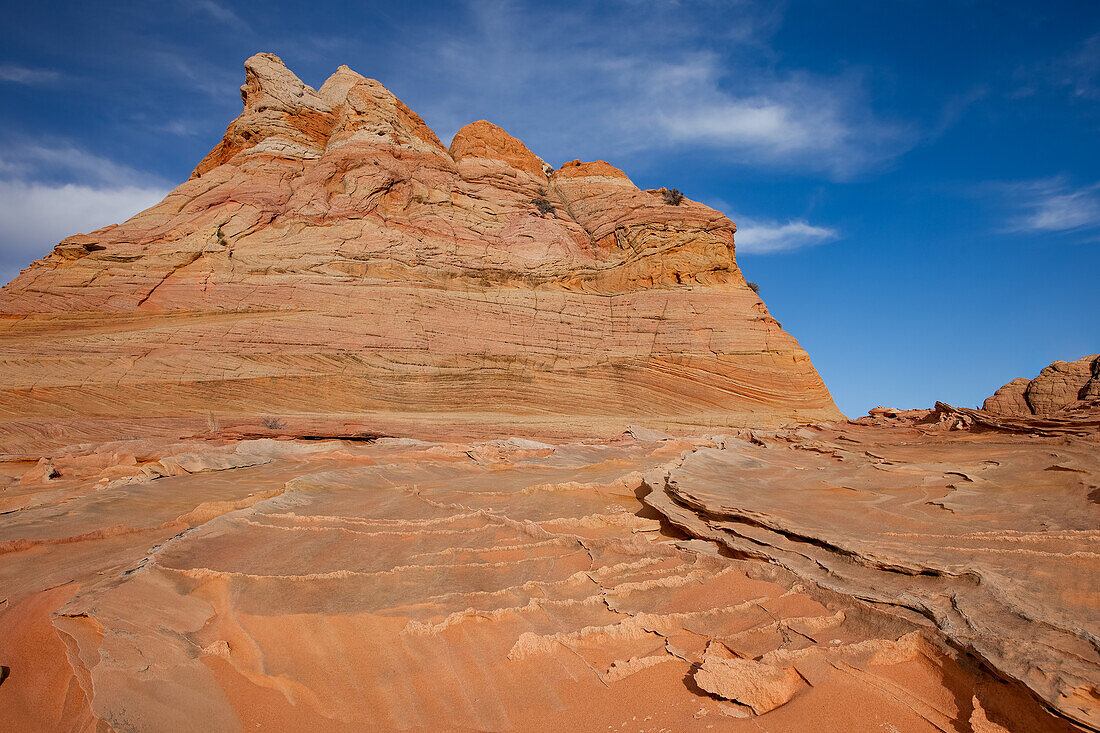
(916, 184)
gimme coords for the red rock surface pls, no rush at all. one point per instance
(183, 547)
(982, 529)
(331, 257)
(500, 585)
(1062, 388)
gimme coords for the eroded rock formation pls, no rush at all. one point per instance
(984, 526)
(1061, 389)
(330, 256)
(332, 270)
(403, 584)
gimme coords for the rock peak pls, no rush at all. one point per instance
(335, 89)
(268, 81)
(387, 275)
(483, 139)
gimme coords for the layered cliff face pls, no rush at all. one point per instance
(331, 269)
(331, 256)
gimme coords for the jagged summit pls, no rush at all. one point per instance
(287, 117)
(331, 256)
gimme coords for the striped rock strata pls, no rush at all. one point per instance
(506, 585)
(983, 528)
(331, 257)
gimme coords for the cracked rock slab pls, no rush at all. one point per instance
(986, 533)
(410, 584)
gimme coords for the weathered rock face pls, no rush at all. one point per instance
(985, 529)
(506, 585)
(331, 256)
(1061, 389)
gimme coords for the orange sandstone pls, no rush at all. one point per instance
(171, 558)
(331, 257)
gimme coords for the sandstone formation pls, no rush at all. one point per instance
(1061, 389)
(584, 480)
(980, 527)
(331, 257)
(499, 585)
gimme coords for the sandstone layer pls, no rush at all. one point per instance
(985, 528)
(330, 257)
(493, 586)
(1061, 389)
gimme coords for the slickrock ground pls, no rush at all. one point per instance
(331, 258)
(987, 532)
(502, 585)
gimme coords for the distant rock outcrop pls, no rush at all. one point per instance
(1061, 389)
(331, 256)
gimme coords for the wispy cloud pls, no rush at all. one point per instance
(218, 12)
(1080, 69)
(627, 79)
(218, 82)
(60, 161)
(26, 75)
(767, 237)
(179, 127)
(757, 235)
(1077, 71)
(1053, 205)
(48, 192)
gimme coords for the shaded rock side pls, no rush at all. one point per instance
(331, 256)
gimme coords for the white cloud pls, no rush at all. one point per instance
(765, 237)
(63, 162)
(1076, 72)
(218, 12)
(1079, 70)
(28, 76)
(179, 127)
(619, 78)
(1084, 68)
(50, 191)
(1052, 205)
(34, 216)
(191, 70)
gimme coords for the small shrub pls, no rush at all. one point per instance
(672, 196)
(273, 423)
(753, 286)
(543, 205)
